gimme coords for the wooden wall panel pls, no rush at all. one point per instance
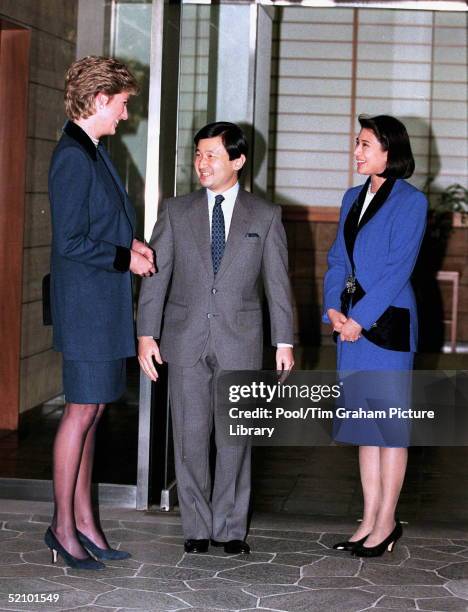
(14, 72)
(52, 24)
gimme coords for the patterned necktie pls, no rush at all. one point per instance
(217, 233)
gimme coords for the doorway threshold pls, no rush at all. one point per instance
(123, 496)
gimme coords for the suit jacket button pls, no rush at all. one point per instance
(214, 290)
(209, 315)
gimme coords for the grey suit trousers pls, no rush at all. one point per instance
(221, 515)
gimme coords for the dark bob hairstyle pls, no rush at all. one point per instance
(392, 135)
(233, 137)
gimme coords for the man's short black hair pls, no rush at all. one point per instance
(392, 135)
(233, 137)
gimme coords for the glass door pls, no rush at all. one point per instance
(224, 75)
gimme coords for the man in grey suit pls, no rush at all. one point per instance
(218, 250)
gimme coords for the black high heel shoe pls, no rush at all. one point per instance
(348, 545)
(379, 549)
(88, 563)
(102, 553)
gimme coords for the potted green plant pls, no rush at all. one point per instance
(454, 200)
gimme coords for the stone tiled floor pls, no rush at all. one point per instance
(292, 567)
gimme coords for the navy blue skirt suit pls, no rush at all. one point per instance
(378, 254)
(91, 287)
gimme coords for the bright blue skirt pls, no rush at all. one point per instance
(375, 380)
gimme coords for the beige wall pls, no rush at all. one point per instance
(53, 42)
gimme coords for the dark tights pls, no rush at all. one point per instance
(73, 467)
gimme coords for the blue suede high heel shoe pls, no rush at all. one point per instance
(57, 549)
(102, 553)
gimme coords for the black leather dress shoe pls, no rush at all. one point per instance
(196, 546)
(233, 547)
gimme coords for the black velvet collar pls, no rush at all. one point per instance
(74, 131)
(352, 226)
(377, 201)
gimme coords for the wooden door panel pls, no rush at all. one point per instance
(14, 75)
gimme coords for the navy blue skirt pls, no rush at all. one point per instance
(94, 382)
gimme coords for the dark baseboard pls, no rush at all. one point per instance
(41, 490)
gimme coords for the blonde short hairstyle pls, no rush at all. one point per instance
(92, 75)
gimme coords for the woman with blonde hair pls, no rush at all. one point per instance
(93, 253)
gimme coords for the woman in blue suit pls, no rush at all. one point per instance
(369, 302)
(93, 254)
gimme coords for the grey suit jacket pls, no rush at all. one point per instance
(228, 305)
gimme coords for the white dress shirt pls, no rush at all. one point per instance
(227, 206)
(367, 201)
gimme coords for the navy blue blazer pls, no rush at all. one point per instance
(92, 231)
(385, 252)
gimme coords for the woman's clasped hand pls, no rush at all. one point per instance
(349, 330)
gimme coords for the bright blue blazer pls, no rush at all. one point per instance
(385, 252)
(92, 231)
